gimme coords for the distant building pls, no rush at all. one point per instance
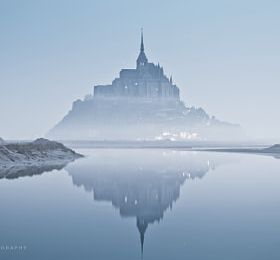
(141, 104)
(146, 81)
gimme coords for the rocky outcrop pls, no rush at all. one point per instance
(134, 119)
(19, 157)
(2, 142)
(273, 149)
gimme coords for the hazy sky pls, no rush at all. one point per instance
(224, 56)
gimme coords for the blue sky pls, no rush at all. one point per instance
(224, 56)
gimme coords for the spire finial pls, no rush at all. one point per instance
(142, 41)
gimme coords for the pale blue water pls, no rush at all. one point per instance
(181, 205)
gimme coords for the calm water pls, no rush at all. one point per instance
(156, 204)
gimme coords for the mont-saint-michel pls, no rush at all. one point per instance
(121, 145)
(141, 104)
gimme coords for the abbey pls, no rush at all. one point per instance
(146, 81)
(141, 104)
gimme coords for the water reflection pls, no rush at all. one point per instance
(15, 172)
(139, 184)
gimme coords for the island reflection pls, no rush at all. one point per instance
(18, 171)
(139, 183)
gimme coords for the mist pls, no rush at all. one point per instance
(224, 57)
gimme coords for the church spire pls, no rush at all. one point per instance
(142, 226)
(142, 41)
(142, 237)
(142, 59)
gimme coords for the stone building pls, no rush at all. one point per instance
(147, 81)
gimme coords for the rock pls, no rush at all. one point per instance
(133, 119)
(273, 149)
(40, 153)
(2, 141)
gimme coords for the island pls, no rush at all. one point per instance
(141, 103)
